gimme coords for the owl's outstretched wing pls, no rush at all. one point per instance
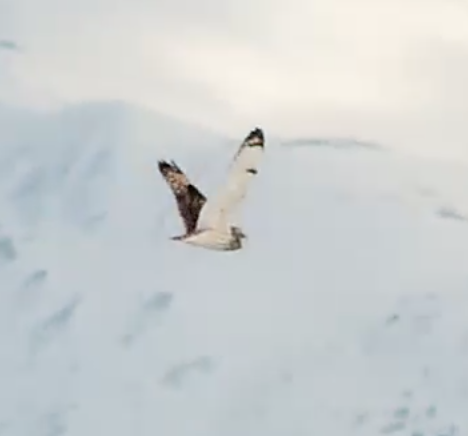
(243, 169)
(188, 198)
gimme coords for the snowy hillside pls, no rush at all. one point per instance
(346, 314)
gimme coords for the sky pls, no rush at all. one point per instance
(380, 70)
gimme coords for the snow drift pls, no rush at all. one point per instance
(346, 313)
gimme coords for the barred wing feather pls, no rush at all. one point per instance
(188, 197)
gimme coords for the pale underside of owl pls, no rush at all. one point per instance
(208, 222)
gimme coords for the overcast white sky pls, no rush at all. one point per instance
(394, 71)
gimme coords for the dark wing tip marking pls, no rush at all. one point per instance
(165, 166)
(252, 171)
(255, 138)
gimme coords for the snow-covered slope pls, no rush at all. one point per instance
(346, 314)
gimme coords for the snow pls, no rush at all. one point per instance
(345, 314)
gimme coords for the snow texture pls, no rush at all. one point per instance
(345, 314)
